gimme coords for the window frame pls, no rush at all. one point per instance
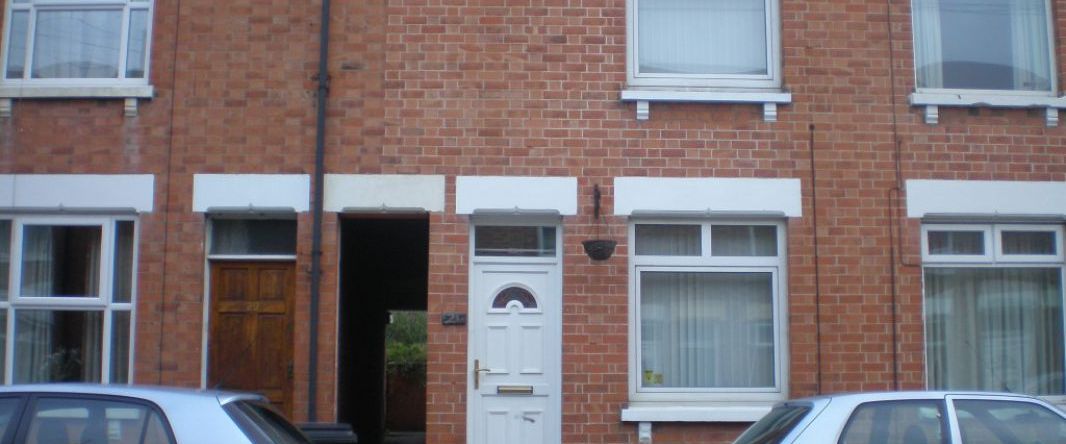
(209, 238)
(989, 244)
(494, 220)
(994, 259)
(32, 7)
(758, 83)
(1052, 63)
(706, 263)
(103, 303)
(998, 230)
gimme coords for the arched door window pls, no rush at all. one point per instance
(523, 297)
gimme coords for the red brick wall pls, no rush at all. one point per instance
(487, 87)
(92, 136)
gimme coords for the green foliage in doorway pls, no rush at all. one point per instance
(405, 345)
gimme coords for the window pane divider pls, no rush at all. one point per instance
(31, 37)
(105, 348)
(697, 262)
(124, 41)
(9, 347)
(59, 303)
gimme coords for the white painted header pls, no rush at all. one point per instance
(234, 192)
(669, 195)
(52, 192)
(985, 197)
(518, 194)
(383, 192)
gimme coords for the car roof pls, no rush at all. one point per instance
(851, 400)
(904, 394)
(830, 412)
(161, 395)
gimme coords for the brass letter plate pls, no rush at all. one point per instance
(514, 390)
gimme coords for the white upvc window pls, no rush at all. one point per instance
(704, 51)
(996, 53)
(76, 48)
(67, 292)
(990, 45)
(704, 43)
(707, 312)
(993, 301)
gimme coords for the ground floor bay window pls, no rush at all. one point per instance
(994, 308)
(66, 298)
(708, 312)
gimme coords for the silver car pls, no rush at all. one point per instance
(911, 418)
(98, 414)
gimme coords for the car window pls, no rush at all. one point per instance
(61, 420)
(263, 425)
(997, 422)
(896, 422)
(9, 408)
(773, 427)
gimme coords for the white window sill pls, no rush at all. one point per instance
(725, 412)
(130, 93)
(932, 102)
(768, 99)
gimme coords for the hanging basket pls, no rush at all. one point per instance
(599, 249)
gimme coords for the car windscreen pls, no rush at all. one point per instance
(773, 427)
(263, 425)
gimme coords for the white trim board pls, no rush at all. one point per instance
(251, 192)
(518, 195)
(58, 192)
(985, 198)
(384, 192)
(710, 196)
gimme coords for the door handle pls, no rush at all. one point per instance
(477, 373)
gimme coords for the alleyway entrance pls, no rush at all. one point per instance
(384, 268)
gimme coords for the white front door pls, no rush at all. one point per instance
(515, 346)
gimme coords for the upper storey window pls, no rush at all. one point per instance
(990, 45)
(703, 43)
(69, 43)
(984, 53)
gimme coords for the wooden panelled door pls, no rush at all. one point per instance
(251, 329)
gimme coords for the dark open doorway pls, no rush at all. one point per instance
(384, 268)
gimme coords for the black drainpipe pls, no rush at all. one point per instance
(316, 236)
(817, 268)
